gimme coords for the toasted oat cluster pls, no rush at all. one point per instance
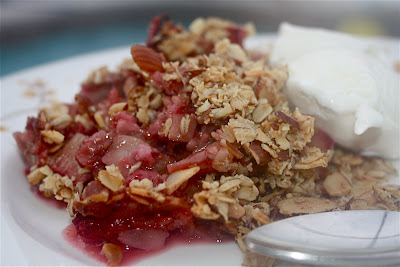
(191, 136)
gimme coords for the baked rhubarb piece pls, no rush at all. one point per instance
(191, 136)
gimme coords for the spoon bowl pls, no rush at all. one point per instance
(354, 237)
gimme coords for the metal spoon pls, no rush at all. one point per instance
(354, 237)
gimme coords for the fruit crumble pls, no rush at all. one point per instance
(191, 136)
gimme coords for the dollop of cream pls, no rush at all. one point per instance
(344, 82)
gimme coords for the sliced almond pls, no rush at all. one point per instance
(262, 111)
(176, 179)
(337, 185)
(305, 205)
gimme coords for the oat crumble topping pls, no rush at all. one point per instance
(195, 122)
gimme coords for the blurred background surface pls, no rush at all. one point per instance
(39, 31)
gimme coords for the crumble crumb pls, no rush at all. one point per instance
(111, 178)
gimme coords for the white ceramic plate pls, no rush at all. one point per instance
(31, 231)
